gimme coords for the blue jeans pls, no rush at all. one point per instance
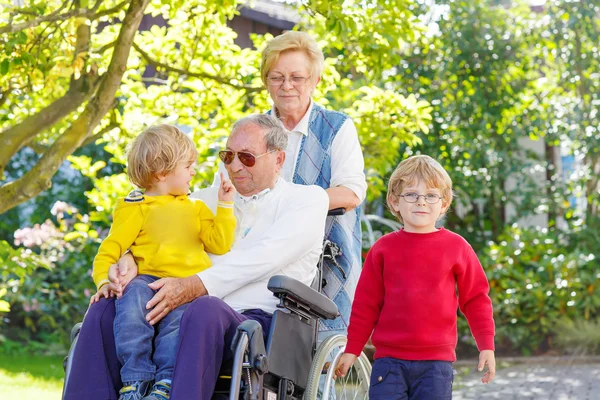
(145, 352)
(395, 379)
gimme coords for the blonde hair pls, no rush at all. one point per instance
(292, 41)
(157, 151)
(418, 168)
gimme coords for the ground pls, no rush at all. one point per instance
(556, 378)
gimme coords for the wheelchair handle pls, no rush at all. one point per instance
(336, 212)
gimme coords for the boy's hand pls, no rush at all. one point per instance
(121, 273)
(487, 357)
(226, 190)
(343, 365)
(104, 291)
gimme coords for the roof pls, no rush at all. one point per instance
(273, 13)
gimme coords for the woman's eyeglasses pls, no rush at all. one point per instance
(278, 80)
(248, 159)
(430, 198)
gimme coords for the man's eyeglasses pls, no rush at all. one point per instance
(430, 198)
(248, 159)
(278, 80)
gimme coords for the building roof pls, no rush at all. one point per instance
(273, 13)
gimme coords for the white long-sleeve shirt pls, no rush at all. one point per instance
(280, 232)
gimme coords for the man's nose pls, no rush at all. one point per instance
(236, 164)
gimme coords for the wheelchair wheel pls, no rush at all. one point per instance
(246, 384)
(321, 385)
(68, 361)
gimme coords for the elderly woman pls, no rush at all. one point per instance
(323, 150)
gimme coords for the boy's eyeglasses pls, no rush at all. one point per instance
(278, 80)
(430, 198)
(248, 159)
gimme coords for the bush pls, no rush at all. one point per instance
(536, 279)
(579, 337)
(54, 292)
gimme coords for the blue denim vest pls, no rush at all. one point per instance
(313, 167)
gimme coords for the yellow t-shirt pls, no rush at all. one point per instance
(168, 236)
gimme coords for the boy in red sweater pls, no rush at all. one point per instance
(412, 282)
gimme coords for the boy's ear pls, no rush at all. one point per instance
(445, 207)
(394, 204)
(160, 177)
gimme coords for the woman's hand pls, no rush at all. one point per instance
(343, 365)
(104, 291)
(342, 197)
(121, 273)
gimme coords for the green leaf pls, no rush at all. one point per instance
(4, 67)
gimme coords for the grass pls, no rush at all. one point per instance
(28, 377)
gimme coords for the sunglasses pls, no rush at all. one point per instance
(248, 159)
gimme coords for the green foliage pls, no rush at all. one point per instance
(535, 281)
(46, 302)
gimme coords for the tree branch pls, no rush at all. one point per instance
(15, 137)
(56, 16)
(98, 135)
(39, 178)
(108, 11)
(201, 75)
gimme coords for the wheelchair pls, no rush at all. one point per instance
(291, 365)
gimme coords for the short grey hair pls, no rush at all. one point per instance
(276, 136)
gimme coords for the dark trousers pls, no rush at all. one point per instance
(394, 379)
(207, 328)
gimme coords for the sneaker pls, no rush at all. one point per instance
(160, 391)
(134, 390)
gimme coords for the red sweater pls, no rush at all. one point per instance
(407, 297)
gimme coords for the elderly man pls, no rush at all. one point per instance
(280, 230)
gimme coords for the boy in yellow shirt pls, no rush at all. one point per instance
(169, 235)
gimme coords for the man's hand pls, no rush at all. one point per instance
(173, 292)
(121, 273)
(343, 365)
(487, 357)
(104, 291)
(226, 190)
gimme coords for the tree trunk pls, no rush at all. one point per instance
(39, 178)
(549, 152)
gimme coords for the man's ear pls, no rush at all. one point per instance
(280, 159)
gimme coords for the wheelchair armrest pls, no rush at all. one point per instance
(303, 296)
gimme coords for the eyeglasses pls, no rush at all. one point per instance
(248, 159)
(430, 198)
(278, 80)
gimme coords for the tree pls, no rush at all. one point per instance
(86, 84)
(75, 73)
(566, 48)
(475, 71)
